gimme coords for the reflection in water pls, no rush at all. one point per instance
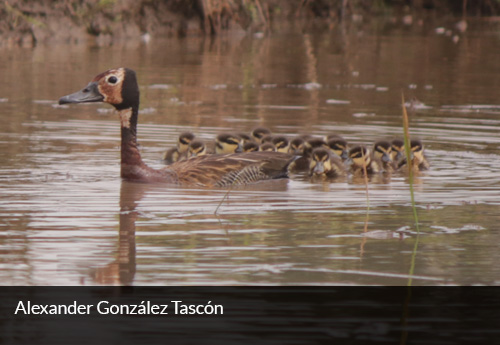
(122, 270)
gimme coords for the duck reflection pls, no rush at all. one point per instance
(122, 270)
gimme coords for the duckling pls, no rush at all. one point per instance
(281, 143)
(250, 146)
(172, 155)
(244, 138)
(259, 133)
(297, 147)
(197, 148)
(323, 163)
(338, 145)
(329, 137)
(360, 156)
(118, 87)
(267, 147)
(267, 139)
(397, 150)
(179, 152)
(418, 160)
(382, 151)
(311, 144)
(183, 142)
(227, 143)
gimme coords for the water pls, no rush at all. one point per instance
(66, 218)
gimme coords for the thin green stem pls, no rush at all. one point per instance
(406, 133)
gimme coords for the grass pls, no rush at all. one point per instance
(406, 134)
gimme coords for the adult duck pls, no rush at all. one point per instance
(119, 88)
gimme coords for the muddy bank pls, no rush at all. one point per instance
(31, 22)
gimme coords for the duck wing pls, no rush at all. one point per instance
(232, 169)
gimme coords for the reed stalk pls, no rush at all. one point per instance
(406, 134)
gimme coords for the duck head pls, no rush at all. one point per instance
(117, 87)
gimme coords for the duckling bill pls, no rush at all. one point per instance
(119, 88)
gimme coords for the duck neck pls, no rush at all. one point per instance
(130, 155)
(132, 166)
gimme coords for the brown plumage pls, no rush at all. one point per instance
(119, 88)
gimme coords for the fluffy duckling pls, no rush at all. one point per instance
(172, 155)
(332, 136)
(338, 145)
(183, 142)
(382, 151)
(281, 143)
(227, 143)
(244, 138)
(360, 156)
(269, 147)
(259, 133)
(250, 146)
(418, 160)
(311, 144)
(296, 146)
(180, 151)
(196, 148)
(397, 150)
(323, 163)
(267, 139)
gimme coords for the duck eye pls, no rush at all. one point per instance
(112, 79)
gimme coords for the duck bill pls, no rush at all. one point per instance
(386, 158)
(89, 94)
(319, 169)
(344, 155)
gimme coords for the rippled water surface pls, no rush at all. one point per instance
(66, 218)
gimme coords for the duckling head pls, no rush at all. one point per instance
(259, 133)
(382, 150)
(184, 140)
(320, 163)
(296, 146)
(417, 151)
(250, 146)
(267, 147)
(313, 143)
(227, 143)
(281, 143)
(359, 156)
(339, 147)
(245, 138)
(397, 149)
(197, 148)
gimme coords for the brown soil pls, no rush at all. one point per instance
(30, 22)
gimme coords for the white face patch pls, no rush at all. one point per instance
(125, 116)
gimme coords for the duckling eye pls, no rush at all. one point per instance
(112, 79)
